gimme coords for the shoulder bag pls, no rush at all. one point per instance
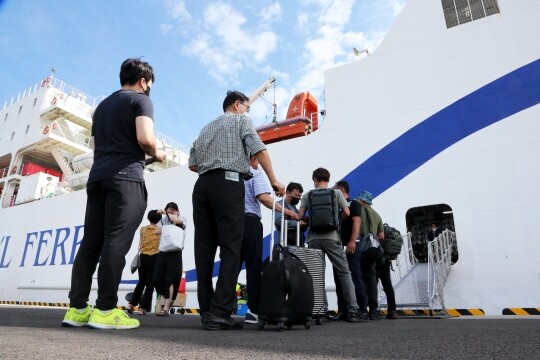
(172, 237)
(136, 262)
(369, 246)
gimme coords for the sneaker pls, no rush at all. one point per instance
(77, 317)
(357, 318)
(340, 316)
(251, 318)
(114, 319)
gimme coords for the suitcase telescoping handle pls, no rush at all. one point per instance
(273, 225)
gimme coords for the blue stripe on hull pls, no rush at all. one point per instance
(498, 100)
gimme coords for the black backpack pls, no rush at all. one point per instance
(323, 215)
(392, 243)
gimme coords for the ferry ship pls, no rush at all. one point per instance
(440, 123)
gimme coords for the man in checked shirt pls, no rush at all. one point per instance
(220, 155)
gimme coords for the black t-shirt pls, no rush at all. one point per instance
(346, 224)
(117, 153)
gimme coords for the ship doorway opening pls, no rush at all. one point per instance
(425, 222)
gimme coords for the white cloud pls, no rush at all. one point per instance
(271, 13)
(396, 6)
(225, 43)
(302, 20)
(177, 9)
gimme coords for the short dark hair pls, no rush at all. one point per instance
(154, 216)
(321, 174)
(345, 185)
(232, 96)
(171, 205)
(294, 186)
(132, 70)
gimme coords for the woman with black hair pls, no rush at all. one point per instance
(148, 250)
(168, 270)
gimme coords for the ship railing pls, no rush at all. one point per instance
(439, 262)
(72, 91)
(59, 85)
(62, 130)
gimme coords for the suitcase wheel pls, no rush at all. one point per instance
(307, 324)
(319, 321)
(172, 310)
(260, 324)
(182, 311)
(281, 326)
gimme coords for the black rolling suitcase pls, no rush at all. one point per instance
(286, 290)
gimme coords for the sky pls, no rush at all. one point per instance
(199, 49)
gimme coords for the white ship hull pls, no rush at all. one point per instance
(436, 115)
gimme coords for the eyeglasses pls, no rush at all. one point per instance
(247, 107)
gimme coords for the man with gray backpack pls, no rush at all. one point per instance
(323, 205)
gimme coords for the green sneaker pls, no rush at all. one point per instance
(115, 319)
(76, 317)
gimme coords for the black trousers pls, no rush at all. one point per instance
(114, 211)
(168, 272)
(369, 275)
(146, 274)
(218, 215)
(252, 248)
(383, 273)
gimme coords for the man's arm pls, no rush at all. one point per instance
(267, 201)
(351, 245)
(146, 139)
(264, 159)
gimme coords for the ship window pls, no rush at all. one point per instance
(20, 109)
(12, 135)
(27, 128)
(457, 12)
(35, 101)
(5, 118)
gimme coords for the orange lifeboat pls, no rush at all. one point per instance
(302, 119)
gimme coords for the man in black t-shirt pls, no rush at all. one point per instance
(350, 228)
(122, 133)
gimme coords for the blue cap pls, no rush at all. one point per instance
(366, 196)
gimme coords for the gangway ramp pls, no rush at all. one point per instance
(420, 286)
(411, 290)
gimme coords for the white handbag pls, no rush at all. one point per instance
(172, 238)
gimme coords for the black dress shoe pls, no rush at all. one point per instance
(374, 315)
(212, 322)
(392, 315)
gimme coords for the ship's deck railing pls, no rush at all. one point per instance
(439, 262)
(72, 91)
(59, 85)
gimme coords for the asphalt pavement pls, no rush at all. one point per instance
(36, 333)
